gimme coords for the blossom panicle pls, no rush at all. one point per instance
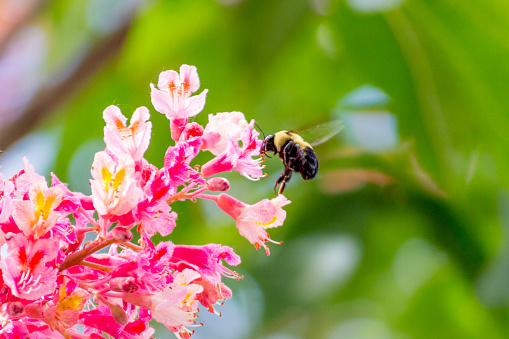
(51, 279)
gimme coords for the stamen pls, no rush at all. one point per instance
(38, 279)
(274, 242)
(24, 275)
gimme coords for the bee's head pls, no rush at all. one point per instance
(268, 144)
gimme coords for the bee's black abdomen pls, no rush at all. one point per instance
(309, 166)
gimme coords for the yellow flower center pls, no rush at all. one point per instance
(43, 205)
(72, 302)
(259, 223)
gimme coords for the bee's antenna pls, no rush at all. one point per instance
(260, 129)
(262, 151)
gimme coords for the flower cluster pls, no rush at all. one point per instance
(52, 277)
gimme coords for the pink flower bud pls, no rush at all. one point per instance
(122, 234)
(15, 309)
(218, 184)
(123, 284)
(191, 130)
(9, 236)
(118, 314)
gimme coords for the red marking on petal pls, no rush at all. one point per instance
(119, 124)
(23, 255)
(185, 86)
(134, 126)
(36, 259)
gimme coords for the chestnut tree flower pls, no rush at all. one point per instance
(253, 220)
(114, 189)
(38, 214)
(221, 128)
(29, 269)
(173, 98)
(133, 139)
(238, 158)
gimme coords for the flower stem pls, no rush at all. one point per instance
(90, 219)
(96, 266)
(206, 196)
(77, 257)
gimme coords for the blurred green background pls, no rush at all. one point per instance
(404, 232)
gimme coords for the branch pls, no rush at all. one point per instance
(48, 98)
(8, 31)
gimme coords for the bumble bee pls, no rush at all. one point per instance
(298, 155)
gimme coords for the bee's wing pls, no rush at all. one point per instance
(321, 133)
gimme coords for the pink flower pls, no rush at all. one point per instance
(62, 312)
(114, 189)
(176, 164)
(173, 98)
(149, 267)
(28, 268)
(133, 139)
(157, 218)
(212, 293)
(154, 213)
(238, 158)
(35, 217)
(175, 306)
(207, 260)
(253, 220)
(221, 128)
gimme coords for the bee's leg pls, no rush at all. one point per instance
(288, 155)
(279, 180)
(281, 188)
(283, 179)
